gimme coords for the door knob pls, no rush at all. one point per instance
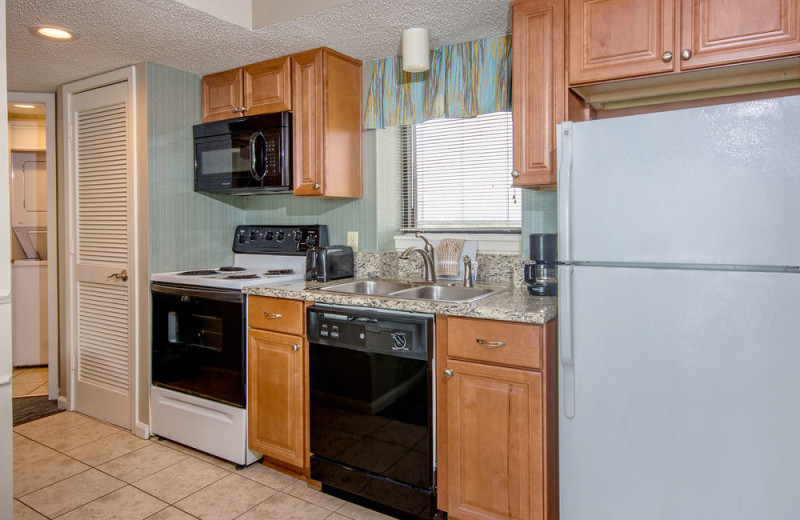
(686, 54)
(514, 173)
(295, 348)
(317, 186)
(666, 57)
(122, 275)
(448, 373)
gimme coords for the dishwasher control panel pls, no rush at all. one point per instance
(398, 333)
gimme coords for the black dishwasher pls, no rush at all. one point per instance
(372, 408)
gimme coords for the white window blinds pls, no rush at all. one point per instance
(456, 175)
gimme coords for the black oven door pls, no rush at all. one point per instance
(198, 344)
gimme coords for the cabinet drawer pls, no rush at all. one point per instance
(496, 342)
(275, 314)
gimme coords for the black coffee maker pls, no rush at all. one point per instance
(541, 274)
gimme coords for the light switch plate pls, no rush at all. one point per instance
(352, 240)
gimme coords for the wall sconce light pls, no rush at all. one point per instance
(416, 50)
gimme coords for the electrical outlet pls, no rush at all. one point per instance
(352, 240)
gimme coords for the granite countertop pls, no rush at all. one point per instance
(512, 304)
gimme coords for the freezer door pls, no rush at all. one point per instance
(714, 185)
(686, 395)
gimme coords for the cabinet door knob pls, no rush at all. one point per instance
(271, 315)
(243, 109)
(317, 186)
(448, 373)
(666, 57)
(686, 54)
(295, 348)
(236, 110)
(514, 173)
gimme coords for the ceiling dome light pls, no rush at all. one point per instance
(50, 32)
(24, 106)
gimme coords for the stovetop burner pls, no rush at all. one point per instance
(198, 272)
(230, 269)
(275, 272)
(241, 276)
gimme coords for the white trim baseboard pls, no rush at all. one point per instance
(63, 403)
(142, 430)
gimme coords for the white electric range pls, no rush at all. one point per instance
(198, 393)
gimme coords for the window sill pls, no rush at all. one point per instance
(488, 243)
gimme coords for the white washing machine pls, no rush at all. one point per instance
(29, 312)
(29, 265)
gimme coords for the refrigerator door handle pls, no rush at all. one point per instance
(564, 191)
(566, 348)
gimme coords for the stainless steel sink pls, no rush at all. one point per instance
(439, 292)
(444, 294)
(368, 287)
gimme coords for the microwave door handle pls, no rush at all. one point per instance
(253, 171)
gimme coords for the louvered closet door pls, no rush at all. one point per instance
(101, 253)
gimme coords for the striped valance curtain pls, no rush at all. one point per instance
(465, 80)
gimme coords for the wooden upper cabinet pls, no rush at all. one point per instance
(615, 39)
(267, 86)
(221, 95)
(726, 31)
(326, 107)
(612, 39)
(260, 88)
(538, 89)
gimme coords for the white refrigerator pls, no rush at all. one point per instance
(679, 314)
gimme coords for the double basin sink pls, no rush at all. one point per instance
(431, 291)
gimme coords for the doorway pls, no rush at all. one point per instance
(32, 161)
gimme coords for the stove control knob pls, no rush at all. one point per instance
(269, 235)
(280, 236)
(241, 238)
(310, 240)
(298, 235)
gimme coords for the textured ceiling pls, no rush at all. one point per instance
(115, 33)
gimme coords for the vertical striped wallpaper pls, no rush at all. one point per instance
(539, 215)
(186, 229)
(193, 230)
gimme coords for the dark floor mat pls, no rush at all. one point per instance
(27, 409)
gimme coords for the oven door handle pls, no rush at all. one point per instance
(197, 292)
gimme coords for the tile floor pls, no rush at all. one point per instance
(72, 467)
(29, 381)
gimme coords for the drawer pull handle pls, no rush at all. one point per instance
(490, 344)
(295, 348)
(271, 316)
(448, 373)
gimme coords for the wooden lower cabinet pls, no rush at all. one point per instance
(497, 425)
(277, 369)
(494, 442)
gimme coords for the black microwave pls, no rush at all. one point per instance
(245, 155)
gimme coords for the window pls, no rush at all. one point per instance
(456, 175)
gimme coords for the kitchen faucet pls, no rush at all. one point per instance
(428, 245)
(429, 272)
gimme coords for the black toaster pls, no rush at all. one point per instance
(329, 263)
